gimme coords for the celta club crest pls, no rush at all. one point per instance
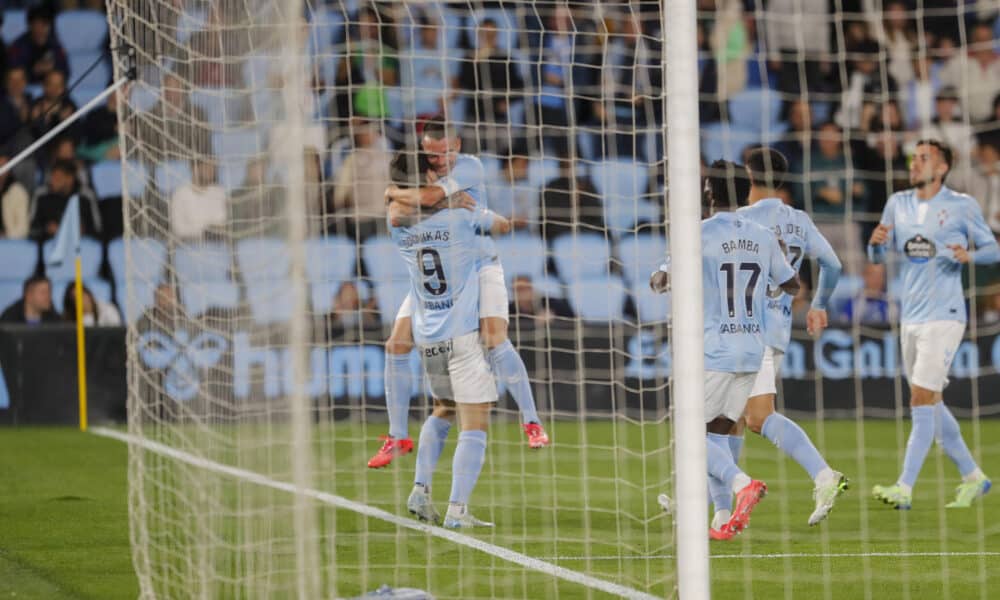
(942, 216)
(181, 358)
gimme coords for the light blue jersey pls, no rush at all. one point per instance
(801, 238)
(738, 258)
(441, 254)
(469, 176)
(921, 232)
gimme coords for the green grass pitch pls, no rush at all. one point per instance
(587, 504)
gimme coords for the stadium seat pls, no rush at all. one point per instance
(327, 29)
(106, 178)
(720, 140)
(270, 301)
(542, 171)
(330, 259)
(640, 255)
(172, 174)
(581, 256)
(10, 292)
(199, 297)
(205, 262)
(15, 23)
(84, 94)
(232, 173)
(91, 256)
(18, 259)
(100, 73)
(390, 295)
(142, 297)
(82, 31)
(100, 288)
(650, 306)
(755, 108)
(149, 256)
(522, 254)
(321, 294)
(222, 107)
(622, 185)
(263, 259)
(598, 298)
(383, 261)
(243, 144)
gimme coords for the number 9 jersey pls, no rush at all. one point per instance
(738, 258)
(442, 255)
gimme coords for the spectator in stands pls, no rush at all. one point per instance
(864, 91)
(898, 35)
(15, 104)
(553, 101)
(982, 181)
(53, 107)
(349, 314)
(96, 313)
(428, 70)
(359, 187)
(526, 304)
(38, 50)
(256, 207)
(174, 129)
(370, 64)
(979, 76)
(512, 195)
(492, 85)
(884, 170)
(208, 64)
(797, 28)
(570, 203)
(949, 126)
(49, 202)
(13, 206)
(919, 93)
(797, 141)
(165, 314)
(990, 310)
(870, 306)
(198, 208)
(64, 148)
(35, 305)
(99, 131)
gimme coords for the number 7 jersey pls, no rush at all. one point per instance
(738, 258)
(442, 257)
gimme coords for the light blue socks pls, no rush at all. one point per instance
(432, 437)
(509, 369)
(468, 462)
(950, 437)
(921, 438)
(788, 437)
(719, 492)
(397, 393)
(720, 461)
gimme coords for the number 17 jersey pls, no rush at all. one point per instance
(738, 258)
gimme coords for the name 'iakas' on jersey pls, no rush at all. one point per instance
(921, 232)
(442, 257)
(801, 238)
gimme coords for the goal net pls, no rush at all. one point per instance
(262, 285)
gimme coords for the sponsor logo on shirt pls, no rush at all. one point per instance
(919, 249)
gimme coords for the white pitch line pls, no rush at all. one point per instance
(785, 555)
(507, 554)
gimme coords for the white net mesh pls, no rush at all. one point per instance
(258, 250)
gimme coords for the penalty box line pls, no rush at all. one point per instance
(507, 554)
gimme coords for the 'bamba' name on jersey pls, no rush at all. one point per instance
(440, 235)
(740, 245)
(739, 328)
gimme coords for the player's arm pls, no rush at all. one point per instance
(781, 271)
(830, 270)
(882, 235)
(487, 220)
(431, 196)
(986, 251)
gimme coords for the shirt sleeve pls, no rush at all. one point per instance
(829, 267)
(780, 270)
(467, 173)
(876, 254)
(483, 220)
(987, 251)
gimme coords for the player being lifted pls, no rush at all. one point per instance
(440, 251)
(766, 169)
(738, 259)
(456, 173)
(930, 227)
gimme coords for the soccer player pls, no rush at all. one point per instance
(738, 259)
(766, 169)
(456, 173)
(930, 226)
(441, 257)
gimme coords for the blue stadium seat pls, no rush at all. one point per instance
(82, 30)
(80, 62)
(330, 259)
(327, 28)
(622, 183)
(542, 171)
(18, 259)
(91, 255)
(205, 262)
(243, 144)
(270, 301)
(83, 95)
(199, 297)
(651, 307)
(640, 255)
(755, 108)
(106, 177)
(10, 292)
(321, 294)
(390, 295)
(383, 261)
(522, 254)
(581, 256)
(720, 140)
(232, 173)
(15, 23)
(598, 298)
(171, 175)
(263, 259)
(133, 305)
(149, 256)
(100, 288)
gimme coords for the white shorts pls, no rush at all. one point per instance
(928, 349)
(767, 376)
(493, 300)
(726, 394)
(457, 370)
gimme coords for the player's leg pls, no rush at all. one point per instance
(398, 388)
(475, 394)
(503, 357)
(432, 438)
(790, 438)
(722, 496)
